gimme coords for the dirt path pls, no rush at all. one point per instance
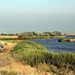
(9, 46)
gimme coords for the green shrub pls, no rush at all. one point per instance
(35, 53)
(7, 38)
(12, 72)
(60, 40)
(64, 40)
(5, 43)
(5, 60)
(68, 40)
(4, 72)
(2, 47)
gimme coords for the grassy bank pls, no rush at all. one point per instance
(63, 40)
(66, 40)
(35, 53)
(42, 37)
(30, 38)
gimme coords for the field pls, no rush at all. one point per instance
(8, 36)
(29, 58)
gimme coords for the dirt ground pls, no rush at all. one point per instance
(8, 36)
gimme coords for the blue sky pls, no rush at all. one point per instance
(17, 16)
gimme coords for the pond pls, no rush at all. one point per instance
(53, 45)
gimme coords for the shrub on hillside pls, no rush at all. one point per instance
(5, 60)
(35, 53)
(33, 34)
(55, 33)
(2, 47)
(4, 72)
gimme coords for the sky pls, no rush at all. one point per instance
(18, 16)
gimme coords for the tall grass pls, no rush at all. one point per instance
(11, 72)
(35, 53)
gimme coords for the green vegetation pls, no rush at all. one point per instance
(64, 40)
(41, 37)
(4, 72)
(7, 38)
(30, 37)
(3, 46)
(35, 53)
(5, 60)
(55, 33)
(12, 41)
(33, 34)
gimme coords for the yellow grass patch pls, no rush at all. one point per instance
(10, 46)
(23, 69)
(8, 36)
(72, 40)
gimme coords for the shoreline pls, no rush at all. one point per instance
(31, 38)
(39, 38)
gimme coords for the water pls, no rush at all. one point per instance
(53, 45)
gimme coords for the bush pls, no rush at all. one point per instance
(60, 40)
(2, 47)
(12, 72)
(33, 34)
(55, 33)
(35, 53)
(64, 40)
(5, 43)
(5, 60)
(4, 72)
(68, 40)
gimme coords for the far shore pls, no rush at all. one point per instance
(27, 38)
(2, 36)
(68, 34)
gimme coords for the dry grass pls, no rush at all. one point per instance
(72, 40)
(20, 68)
(56, 71)
(68, 34)
(8, 36)
(28, 70)
(7, 63)
(10, 46)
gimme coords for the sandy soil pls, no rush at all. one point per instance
(10, 46)
(8, 36)
(72, 40)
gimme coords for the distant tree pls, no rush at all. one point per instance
(16, 34)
